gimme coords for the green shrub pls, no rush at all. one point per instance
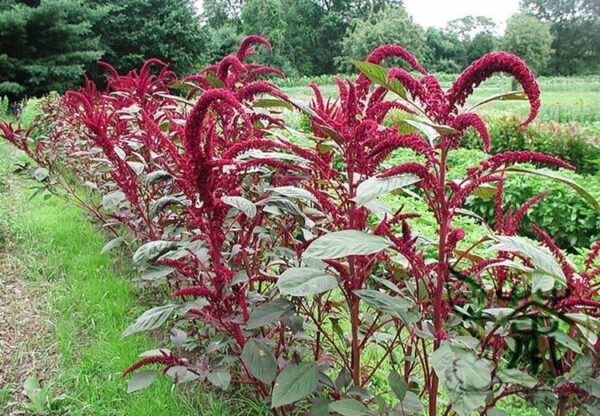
(567, 142)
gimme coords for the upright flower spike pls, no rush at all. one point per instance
(487, 66)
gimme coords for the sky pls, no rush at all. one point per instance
(439, 12)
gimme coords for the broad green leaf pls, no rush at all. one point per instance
(515, 376)
(378, 75)
(398, 385)
(112, 200)
(220, 377)
(157, 176)
(542, 259)
(552, 175)
(375, 187)
(141, 380)
(305, 281)
(485, 191)
(137, 167)
(260, 360)
(268, 313)
(242, 204)
(346, 243)
(294, 192)
(349, 407)
(294, 383)
(181, 374)
(156, 271)
(151, 251)
(40, 174)
(160, 204)
(320, 407)
(409, 406)
(151, 319)
(214, 81)
(112, 244)
(465, 377)
(428, 129)
(581, 370)
(393, 305)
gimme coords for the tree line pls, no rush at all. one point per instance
(45, 45)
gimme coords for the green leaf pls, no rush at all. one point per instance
(398, 385)
(157, 176)
(151, 319)
(180, 85)
(305, 281)
(465, 377)
(410, 406)
(260, 360)
(349, 407)
(295, 383)
(40, 174)
(112, 200)
(141, 380)
(374, 187)
(294, 192)
(579, 189)
(137, 167)
(346, 243)
(220, 377)
(273, 103)
(378, 75)
(485, 191)
(515, 376)
(542, 260)
(149, 252)
(268, 313)
(156, 271)
(160, 204)
(582, 370)
(319, 407)
(112, 244)
(242, 204)
(393, 305)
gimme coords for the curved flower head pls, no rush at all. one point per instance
(487, 66)
(245, 48)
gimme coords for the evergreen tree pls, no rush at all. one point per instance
(45, 45)
(136, 30)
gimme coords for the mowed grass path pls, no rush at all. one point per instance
(89, 307)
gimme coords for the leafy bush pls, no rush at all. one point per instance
(289, 272)
(570, 143)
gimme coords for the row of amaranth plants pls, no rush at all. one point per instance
(287, 271)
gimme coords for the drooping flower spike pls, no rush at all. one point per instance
(487, 66)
